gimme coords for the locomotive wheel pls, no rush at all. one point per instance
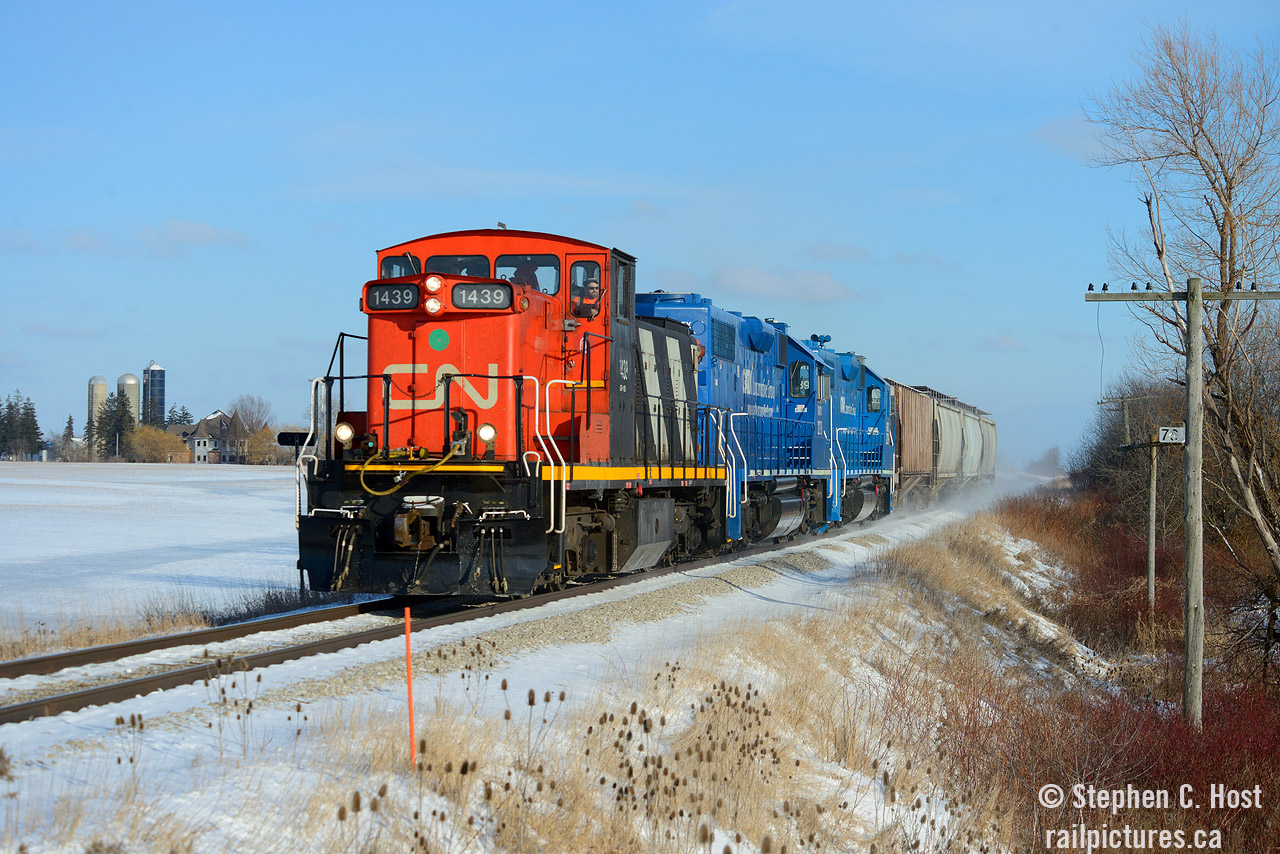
(551, 583)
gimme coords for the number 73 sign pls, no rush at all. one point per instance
(1172, 436)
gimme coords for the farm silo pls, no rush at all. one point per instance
(97, 397)
(128, 388)
(153, 392)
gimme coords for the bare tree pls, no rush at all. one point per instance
(1199, 125)
(255, 412)
(150, 444)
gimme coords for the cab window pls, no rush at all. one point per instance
(458, 265)
(624, 286)
(541, 272)
(873, 399)
(586, 291)
(800, 380)
(394, 266)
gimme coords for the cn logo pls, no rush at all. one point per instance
(403, 375)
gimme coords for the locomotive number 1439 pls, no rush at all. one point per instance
(391, 297)
(481, 296)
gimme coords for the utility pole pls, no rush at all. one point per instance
(1194, 297)
(1151, 546)
(1165, 436)
(1124, 409)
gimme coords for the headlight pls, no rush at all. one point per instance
(344, 432)
(486, 432)
(433, 305)
(433, 284)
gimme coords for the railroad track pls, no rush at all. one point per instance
(52, 703)
(39, 665)
(212, 667)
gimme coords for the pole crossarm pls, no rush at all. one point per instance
(1177, 296)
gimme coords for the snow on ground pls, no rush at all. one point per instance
(84, 540)
(91, 538)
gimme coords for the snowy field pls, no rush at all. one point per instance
(83, 539)
(88, 538)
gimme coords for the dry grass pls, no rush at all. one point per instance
(897, 720)
(180, 613)
(806, 733)
(26, 641)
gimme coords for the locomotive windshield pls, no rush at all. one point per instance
(799, 379)
(408, 264)
(394, 266)
(873, 399)
(459, 265)
(534, 271)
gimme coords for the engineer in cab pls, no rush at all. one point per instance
(587, 302)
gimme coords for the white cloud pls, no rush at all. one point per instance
(826, 251)
(800, 286)
(176, 235)
(83, 240)
(1071, 136)
(1004, 342)
(169, 239)
(46, 331)
(21, 241)
(924, 259)
(643, 207)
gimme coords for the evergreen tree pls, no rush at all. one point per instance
(67, 449)
(29, 432)
(179, 416)
(113, 426)
(8, 426)
(90, 438)
(19, 431)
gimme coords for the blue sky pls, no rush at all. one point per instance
(206, 185)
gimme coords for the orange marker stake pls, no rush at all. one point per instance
(408, 666)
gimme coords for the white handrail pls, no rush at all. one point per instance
(312, 406)
(536, 432)
(731, 506)
(843, 461)
(525, 459)
(745, 469)
(837, 482)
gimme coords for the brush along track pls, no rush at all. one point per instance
(212, 667)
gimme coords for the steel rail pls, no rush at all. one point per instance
(40, 665)
(216, 667)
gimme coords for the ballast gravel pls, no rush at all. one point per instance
(484, 651)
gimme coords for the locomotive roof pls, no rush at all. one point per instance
(502, 232)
